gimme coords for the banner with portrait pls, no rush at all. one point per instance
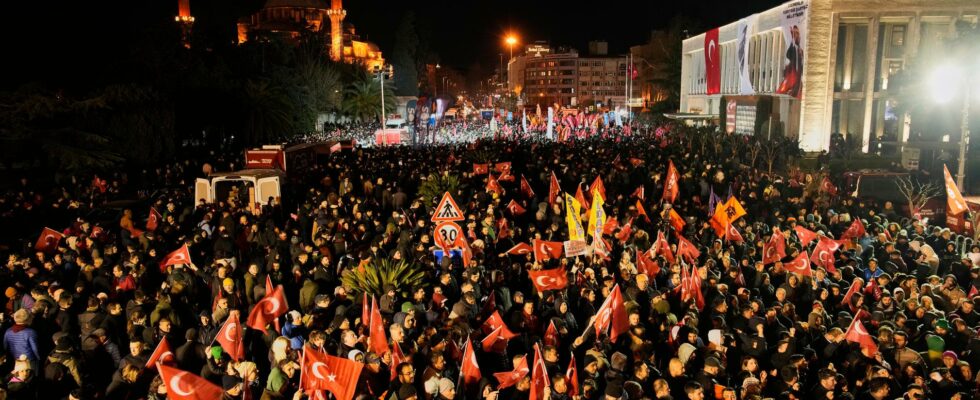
(746, 28)
(794, 16)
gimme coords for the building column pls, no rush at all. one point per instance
(817, 78)
(869, 88)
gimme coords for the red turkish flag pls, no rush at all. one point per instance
(671, 183)
(502, 167)
(610, 226)
(183, 385)
(775, 249)
(508, 379)
(365, 311)
(545, 250)
(470, 369)
(153, 220)
(806, 236)
(856, 287)
(515, 209)
(438, 299)
(496, 340)
(733, 235)
(520, 249)
(856, 333)
(612, 313)
(481, 169)
(712, 62)
(493, 322)
(397, 357)
(640, 193)
(230, 338)
(642, 211)
(539, 376)
(597, 185)
(571, 375)
(97, 232)
(551, 335)
(625, 232)
(872, 289)
(645, 265)
(549, 279)
(162, 354)
(662, 248)
(856, 230)
(691, 287)
(526, 188)
(505, 177)
(179, 256)
(687, 250)
(954, 199)
(800, 265)
(823, 253)
(325, 372)
(827, 186)
(268, 285)
(267, 310)
(553, 189)
(378, 342)
(581, 197)
(502, 231)
(493, 185)
(48, 241)
(676, 221)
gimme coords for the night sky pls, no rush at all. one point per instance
(43, 39)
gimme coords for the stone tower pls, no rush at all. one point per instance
(336, 14)
(185, 20)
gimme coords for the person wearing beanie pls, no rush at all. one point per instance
(21, 339)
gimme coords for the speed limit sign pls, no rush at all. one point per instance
(446, 234)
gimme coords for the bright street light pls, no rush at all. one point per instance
(511, 40)
(944, 83)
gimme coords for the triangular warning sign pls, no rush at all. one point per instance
(447, 210)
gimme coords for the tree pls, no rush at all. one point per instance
(38, 126)
(266, 110)
(362, 99)
(667, 74)
(404, 56)
(917, 193)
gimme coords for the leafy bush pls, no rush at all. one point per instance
(403, 276)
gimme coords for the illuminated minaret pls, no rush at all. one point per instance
(336, 14)
(186, 21)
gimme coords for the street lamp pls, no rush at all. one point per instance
(943, 83)
(511, 41)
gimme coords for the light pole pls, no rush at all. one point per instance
(381, 78)
(511, 41)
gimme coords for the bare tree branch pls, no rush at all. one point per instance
(917, 193)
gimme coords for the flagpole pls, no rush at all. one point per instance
(302, 366)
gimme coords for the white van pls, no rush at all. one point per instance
(254, 186)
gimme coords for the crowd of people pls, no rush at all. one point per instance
(84, 319)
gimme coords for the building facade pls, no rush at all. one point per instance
(561, 76)
(288, 19)
(851, 49)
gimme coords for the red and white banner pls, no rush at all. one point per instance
(712, 62)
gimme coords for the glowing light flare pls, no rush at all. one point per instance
(943, 83)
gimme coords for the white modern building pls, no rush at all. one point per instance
(849, 50)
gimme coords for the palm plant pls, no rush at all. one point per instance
(404, 276)
(432, 189)
(362, 99)
(267, 111)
